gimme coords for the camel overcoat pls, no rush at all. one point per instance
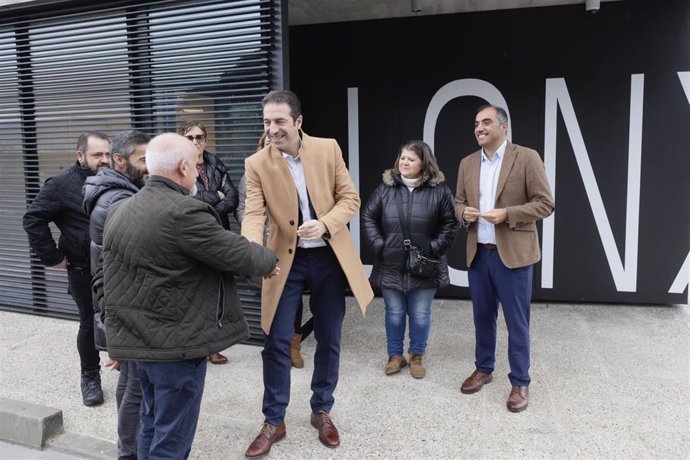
(271, 188)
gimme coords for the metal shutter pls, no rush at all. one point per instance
(66, 69)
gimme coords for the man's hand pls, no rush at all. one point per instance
(311, 230)
(470, 214)
(275, 272)
(495, 216)
(221, 195)
(62, 265)
(113, 364)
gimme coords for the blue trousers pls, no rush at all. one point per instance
(492, 282)
(415, 304)
(170, 407)
(319, 270)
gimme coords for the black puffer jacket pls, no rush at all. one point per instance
(101, 195)
(59, 201)
(218, 181)
(430, 210)
(169, 293)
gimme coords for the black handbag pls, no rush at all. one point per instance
(417, 262)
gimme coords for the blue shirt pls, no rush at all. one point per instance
(489, 171)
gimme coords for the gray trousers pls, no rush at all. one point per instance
(128, 399)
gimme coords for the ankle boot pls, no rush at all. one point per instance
(417, 369)
(295, 355)
(91, 391)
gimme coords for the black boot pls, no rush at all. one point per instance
(91, 391)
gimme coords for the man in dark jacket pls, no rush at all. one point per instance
(102, 194)
(59, 201)
(169, 293)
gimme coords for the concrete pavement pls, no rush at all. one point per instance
(608, 381)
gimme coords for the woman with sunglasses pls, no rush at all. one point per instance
(213, 186)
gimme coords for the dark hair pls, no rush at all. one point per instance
(284, 96)
(187, 125)
(500, 112)
(126, 142)
(423, 151)
(83, 142)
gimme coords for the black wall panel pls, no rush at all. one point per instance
(628, 53)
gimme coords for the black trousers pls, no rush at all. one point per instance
(80, 289)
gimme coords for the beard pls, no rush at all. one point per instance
(193, 190)
(136, 175)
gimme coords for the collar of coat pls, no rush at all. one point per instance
(392, 178)
(160, 181)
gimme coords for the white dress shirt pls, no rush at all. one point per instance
(295, 166)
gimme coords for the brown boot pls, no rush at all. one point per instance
(295, 355)
(417, 369)
(394, 364)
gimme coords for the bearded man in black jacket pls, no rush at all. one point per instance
(59, 201)
(102, 194)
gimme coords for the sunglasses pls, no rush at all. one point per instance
(198, 137)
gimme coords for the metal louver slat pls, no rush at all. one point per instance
(113, 66)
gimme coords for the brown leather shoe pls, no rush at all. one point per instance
(328, 433)
(518, 399)
(217, 358)
(295, 355)
(475, 382)
(263, 442)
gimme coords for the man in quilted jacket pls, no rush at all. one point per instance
(169, 294)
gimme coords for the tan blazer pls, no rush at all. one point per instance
(270, 187)
(525, 193)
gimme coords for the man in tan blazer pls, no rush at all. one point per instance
(303, 184)
(502, 191)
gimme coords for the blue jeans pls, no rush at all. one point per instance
(399, 305)
(170, 408)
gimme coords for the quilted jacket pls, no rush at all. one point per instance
(169, 293)
(102, 194)
(429, 208)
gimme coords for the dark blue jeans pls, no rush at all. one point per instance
(492, 282)
(170, 407)
(319, 270)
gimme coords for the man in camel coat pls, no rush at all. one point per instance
(303, 184)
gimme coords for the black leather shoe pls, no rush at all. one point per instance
(91, 391)
(261, 445)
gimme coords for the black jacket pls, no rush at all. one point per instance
(218, 180)
(429, 208)
(169, 293)
(102, 194)
(59, 201)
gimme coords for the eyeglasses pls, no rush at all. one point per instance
(198, 137)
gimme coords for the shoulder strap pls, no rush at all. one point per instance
(403, 221)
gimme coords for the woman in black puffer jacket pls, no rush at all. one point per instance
(428, 205)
